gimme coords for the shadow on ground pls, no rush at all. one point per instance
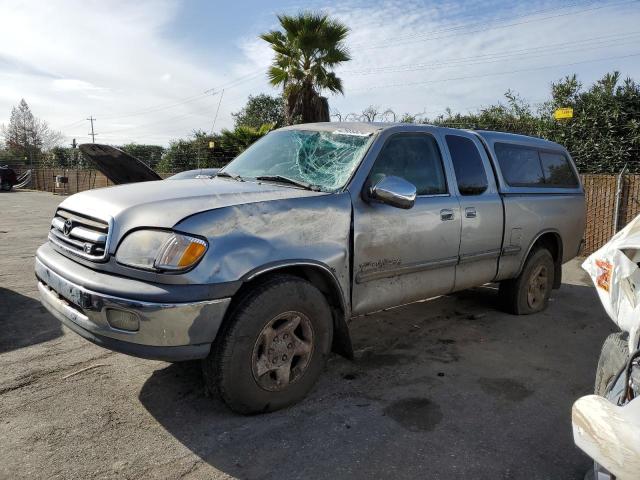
(451, 388)
(24, 321)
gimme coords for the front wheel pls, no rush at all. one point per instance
(274, 347)
(530, 291)
(613, 356)
(6, 186)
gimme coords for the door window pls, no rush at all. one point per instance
(414, 157)
(468, 165)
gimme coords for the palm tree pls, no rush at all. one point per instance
(241, 137)
(306, 52)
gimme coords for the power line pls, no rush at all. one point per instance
(468, 77)
(217, 110)
(466, 25)
(390, 42)
(68, 125)
(164, 106)
(595, 42)
(160, 107)
(168, 119)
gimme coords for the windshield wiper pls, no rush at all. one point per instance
(229, 175)
(290, 181)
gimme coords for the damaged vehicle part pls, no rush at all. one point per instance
(262, 266)
(606, 425)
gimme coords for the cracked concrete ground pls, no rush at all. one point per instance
(449, 388)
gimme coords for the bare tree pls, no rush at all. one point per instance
(373, 113)
(388, 115)
(370, 113)
(335, 114)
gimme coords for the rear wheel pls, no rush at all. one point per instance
(274, 347)
(6, 186)
(530, 291)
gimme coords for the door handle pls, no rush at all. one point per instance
(446, 214)
(470, 212)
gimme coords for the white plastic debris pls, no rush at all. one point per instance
(616, 276)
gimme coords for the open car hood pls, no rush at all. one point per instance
(616, 276)
(116, 165)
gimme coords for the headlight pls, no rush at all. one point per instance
(160, 250)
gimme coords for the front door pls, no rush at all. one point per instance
(401, 256)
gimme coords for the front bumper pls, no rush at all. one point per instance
(167, 331)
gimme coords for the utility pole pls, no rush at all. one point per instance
(93, 135)
(217, 110)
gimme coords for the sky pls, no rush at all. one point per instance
(151, 71)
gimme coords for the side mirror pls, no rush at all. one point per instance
(394, 191)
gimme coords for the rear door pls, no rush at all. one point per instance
(481, 210)
(400, 255)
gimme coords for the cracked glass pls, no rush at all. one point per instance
(322, 159)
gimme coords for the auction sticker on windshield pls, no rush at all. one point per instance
(346, 131)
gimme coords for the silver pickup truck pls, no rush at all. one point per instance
(258, 270)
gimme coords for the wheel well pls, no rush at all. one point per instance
(327, 284)
(553, 243)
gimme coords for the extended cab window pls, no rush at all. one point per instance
(467, 163)
(530, 167)
(414, 157)
(557, 170)
(520, 166)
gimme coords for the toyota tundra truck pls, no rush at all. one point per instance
(257, 272)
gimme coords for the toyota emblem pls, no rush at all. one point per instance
(66, 229)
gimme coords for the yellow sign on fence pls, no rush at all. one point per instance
(562, 113)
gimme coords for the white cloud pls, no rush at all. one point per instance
(114, 60)
(73, 84)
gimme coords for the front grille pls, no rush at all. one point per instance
(85, 236)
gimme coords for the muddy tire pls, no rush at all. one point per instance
(530, 291)
(274, 347)
(613, 356)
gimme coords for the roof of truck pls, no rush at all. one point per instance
(492, 136)
(363, 127)
(374, 127)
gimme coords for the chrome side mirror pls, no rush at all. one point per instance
(394, 191)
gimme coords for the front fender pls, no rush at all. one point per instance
(249, 237)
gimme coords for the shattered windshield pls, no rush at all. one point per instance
(322, 159)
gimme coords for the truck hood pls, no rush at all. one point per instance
(116, 165)
(162, 204)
